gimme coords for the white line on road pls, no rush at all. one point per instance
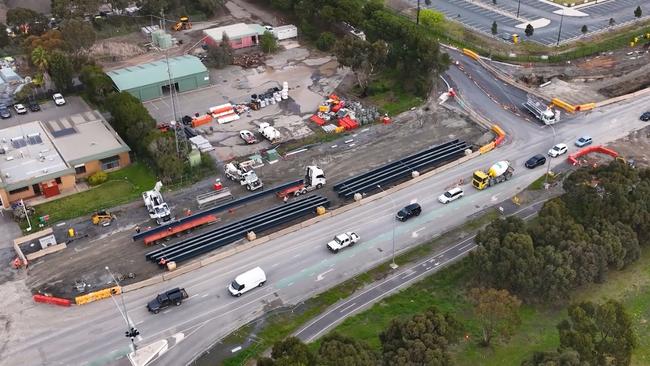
(465, 246)
(290, 284)
(296, 256)
(322, 275)
(347, 307)
(140, 322)
(274, 265)
(205, 295)
(407, 275)
(166, 311)
(192, 296)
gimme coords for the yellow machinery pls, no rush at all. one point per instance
(103, 218)
(183, 23)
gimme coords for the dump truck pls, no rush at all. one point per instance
(541, 111)
(314, 179)
(499, 172)
(244, 175)
(156, 205)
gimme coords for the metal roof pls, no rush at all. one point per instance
(235, 31)
(156, 72)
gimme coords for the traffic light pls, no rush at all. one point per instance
(132, 333)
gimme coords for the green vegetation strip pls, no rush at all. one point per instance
(122, 186)
(280, 325)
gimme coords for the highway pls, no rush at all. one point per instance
(298, 265)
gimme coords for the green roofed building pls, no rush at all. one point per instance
(151, 80)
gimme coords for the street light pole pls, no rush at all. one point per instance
(548, 167)
(131, 331)
(26, 215)
(518, 6)
(417, 16)
(559, 33)
(393, 265)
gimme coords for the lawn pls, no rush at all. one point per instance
(386, 93)
(122, 186)
(537, 331)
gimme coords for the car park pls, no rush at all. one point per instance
(20, 109)
(4, 112)
(247, 281)
(645, 117)
(58, 99)
(584, 141)
(451, 195)
(409, 211)
(558, 150)
(535, 161)
(33, 105)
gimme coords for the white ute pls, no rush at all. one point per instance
(343, 240)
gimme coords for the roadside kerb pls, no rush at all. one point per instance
(623, 97)
(240, 248)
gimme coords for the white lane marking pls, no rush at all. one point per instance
(290, 284)
(322, 275)
(205, 295)
(415, 233)
(296, 256)
(347, 307)
(275, 265)
(166, 311)
(407, 275)
(465, 246)
(140, 322)
(192, 296)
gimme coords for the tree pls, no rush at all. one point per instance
(611, 21)
(638, 12)
(39, 59)
(4, 37)
(602, 334)
(119, 5)
(338, 350)
(431, 18)
(49, 41)
(496, 310)
(584, 29)
(326, 41)
(421, 340)
(362, 57)
(60, 69)
(494, 27)
(24, 19)
(268, 42)
(529, 30)
(169, 166)
(567, 357)
(79, 35)
(130, 119)
(97, 84)
(291, 351)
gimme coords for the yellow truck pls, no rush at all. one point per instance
(499, 172)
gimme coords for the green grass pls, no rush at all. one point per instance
(387, 94)
(537, 331)
(122, 186)
(280, 325)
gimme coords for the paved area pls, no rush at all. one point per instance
(513, 15)
(49, 111)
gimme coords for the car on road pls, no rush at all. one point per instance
(343, 240)
(58, 99)
(247, 281)
(4, 112)
(584, 141)
(558, 150)
(247, 136)
(33, 105)
(20, 109)
(409, 211)
(451, 195)
(535, 161)
(172, 297)
(645, 117)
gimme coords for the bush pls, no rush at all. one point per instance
(97, 178)
(326, 41)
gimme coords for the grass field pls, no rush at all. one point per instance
(122, 186)
(536, 333)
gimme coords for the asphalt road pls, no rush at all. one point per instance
(298, 265)
(479, 15)
(401, 279)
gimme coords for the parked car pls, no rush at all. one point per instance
(4, 112)
(409, 211)
(535, 161)
(343, 240)
(645, 117)
(558, 150)
(247, 281)
(20, 109)
(58, 99)
(172, 297)
(247, 136)
(33, 105)
(451, 195)
(584, 141)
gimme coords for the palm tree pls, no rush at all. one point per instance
(39, 58)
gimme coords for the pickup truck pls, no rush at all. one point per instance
(172, 297)
(342, 240)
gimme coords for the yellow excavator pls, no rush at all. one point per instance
(103, 218)
(182, 24)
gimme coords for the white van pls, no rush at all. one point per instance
(247, 281)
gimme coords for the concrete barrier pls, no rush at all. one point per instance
(564, 105)
(49, 250)
(471, 54)
(585, 107)
(97, 295)
(487, 148)
(181, 270)
(140, 284)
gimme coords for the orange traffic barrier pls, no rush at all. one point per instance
(573, 158)
(202, 120)
(564, 105)
(585, 107)
(487, 148)
(51, 300)
(471, 53)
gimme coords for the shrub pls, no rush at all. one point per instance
(326, 41)
(97, 178)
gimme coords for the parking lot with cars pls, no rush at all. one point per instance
(46, 111)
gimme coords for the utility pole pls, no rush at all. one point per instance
(518, 6)
(393, 265)
(131, 330)
(548, 168)
(417, 17)
(559, 33)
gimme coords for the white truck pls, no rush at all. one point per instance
(156, 205)
(269, 132)
(314, 179)
(541, 111)
(343, 240)
(245, 176)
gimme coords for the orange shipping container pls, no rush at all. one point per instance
(202, 120)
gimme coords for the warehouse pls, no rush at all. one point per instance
(241, 35)
(151, 80)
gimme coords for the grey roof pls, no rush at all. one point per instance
(235, 31)
(156, 72)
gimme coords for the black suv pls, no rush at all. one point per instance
(33, 105)
(172, 297)
(645, 117)
(535, 161)
(409, 211)
(4, 112)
